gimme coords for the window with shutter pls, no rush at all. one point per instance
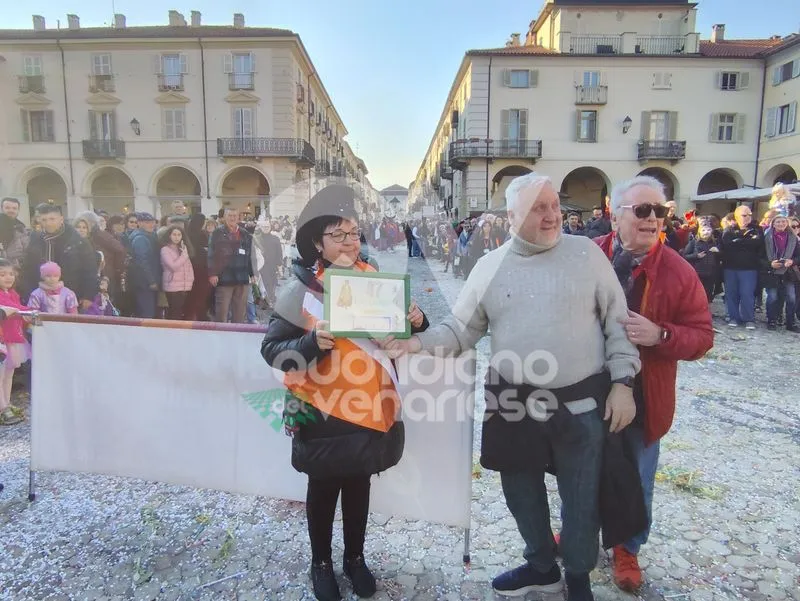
(227, 63)
(101, 64)
(32, 64)
(520, 78)
(726, 130)
(26, 125)
(174, 124)
(740, 121)
(796, 68)
(744, 80)
(184, 60)
(591, 79)
(776, 76)
(770, 127)
(729, 80)
(662, 80)
(587, 126)
(506, 74)
(713, 130)
(786, 117)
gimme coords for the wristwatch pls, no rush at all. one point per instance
(626, 381)
(665, 335)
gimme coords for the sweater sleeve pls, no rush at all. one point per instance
(468, 322)
(622, 357)
(35, 301)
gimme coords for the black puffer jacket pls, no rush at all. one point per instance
(324, 446)
(74, 255)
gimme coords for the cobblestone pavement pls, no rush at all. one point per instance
(727, 508)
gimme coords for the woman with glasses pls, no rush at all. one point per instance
(780, 275)
(338, 448)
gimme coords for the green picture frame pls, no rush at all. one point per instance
(346, 289)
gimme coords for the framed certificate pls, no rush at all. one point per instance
(367, 304)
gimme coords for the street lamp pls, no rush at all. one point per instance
(626, 125)
(135, 126)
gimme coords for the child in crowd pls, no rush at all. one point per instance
(102, 302)
(17, 347)
(52, 296)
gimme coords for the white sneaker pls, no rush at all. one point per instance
(750, 325)
(732, 324)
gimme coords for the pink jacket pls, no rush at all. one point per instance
(11, 327)
(178, 275)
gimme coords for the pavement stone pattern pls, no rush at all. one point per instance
(727, 507)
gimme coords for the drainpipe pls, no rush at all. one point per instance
(66, 113)
(488, 115)
(760, 124)
(205, 115)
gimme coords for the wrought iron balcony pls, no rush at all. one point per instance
(445, 170)
(660, 44)
(323, 168)
(591, 95)
(294, 149)
(670, 150)
(463, 150)
(338, 170)
(172, 82)
(31, 83)
(101, 83)
(241, 81)
(596, 44)
(98, 150)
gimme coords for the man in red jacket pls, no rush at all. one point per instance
(669, 321)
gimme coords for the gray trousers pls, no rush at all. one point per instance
(231, 298)
(577, 455)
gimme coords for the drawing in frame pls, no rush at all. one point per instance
(363, 304)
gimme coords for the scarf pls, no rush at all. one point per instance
(624, 262)
(780, 241)
(52, 290)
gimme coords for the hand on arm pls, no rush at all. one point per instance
(641, 330)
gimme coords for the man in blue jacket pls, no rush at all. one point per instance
(144, 271)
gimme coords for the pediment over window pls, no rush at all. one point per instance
(102, 99)
(172, 98)
(32, 100)
(242, 97)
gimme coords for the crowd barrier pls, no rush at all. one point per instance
(194, 404)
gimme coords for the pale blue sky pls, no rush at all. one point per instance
(388, 65)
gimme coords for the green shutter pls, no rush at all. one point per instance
(644, 134)
(673, 125)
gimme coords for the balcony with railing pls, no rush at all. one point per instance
(462, 151)
(172, 82)
(323, 168)
(31, 83)
(241, 81)
(101, 83)
(595, 44)
(660, 44)
(99, 150)
(668, 150)
(445, 170)
(294, 149)
(591, 94)
(338, 169)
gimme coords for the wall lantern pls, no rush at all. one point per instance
(626, 125)
(135, 126)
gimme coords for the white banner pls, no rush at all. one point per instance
(202, 409)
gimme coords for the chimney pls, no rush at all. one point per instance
(718, 32)
(515, 39)
(38, 23)
(176, 19)
(238, 20)
(73, 21)
(196, 18)
(119, 21)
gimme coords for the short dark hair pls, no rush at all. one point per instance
(597, 208)
(46, 208)
(114, 220)
(5, 263)
(9, 199)
(311, 234)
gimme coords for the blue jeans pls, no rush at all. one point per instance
(647, 460)
(785, 292)
(740, 291)
(578, 457)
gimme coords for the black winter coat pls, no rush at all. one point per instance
(324, 446)
(74, 255)
(597, 227)
(742, 249)
(229, 258)
(706, 266)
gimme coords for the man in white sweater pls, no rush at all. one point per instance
(557, 298)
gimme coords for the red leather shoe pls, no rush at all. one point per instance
(626, 571)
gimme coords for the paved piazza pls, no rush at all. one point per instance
(727, 507)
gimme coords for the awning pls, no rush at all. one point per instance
(745, 194)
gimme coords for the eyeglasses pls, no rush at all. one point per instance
(339, 236)
(795, 226)
(642, 211)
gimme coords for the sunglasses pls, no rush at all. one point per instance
(643, 210)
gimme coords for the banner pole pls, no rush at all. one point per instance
(36, 320)
(466, 558)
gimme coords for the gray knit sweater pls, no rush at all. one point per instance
(564, 300)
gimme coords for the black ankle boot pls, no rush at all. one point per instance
(359, 574)
(324, 582)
